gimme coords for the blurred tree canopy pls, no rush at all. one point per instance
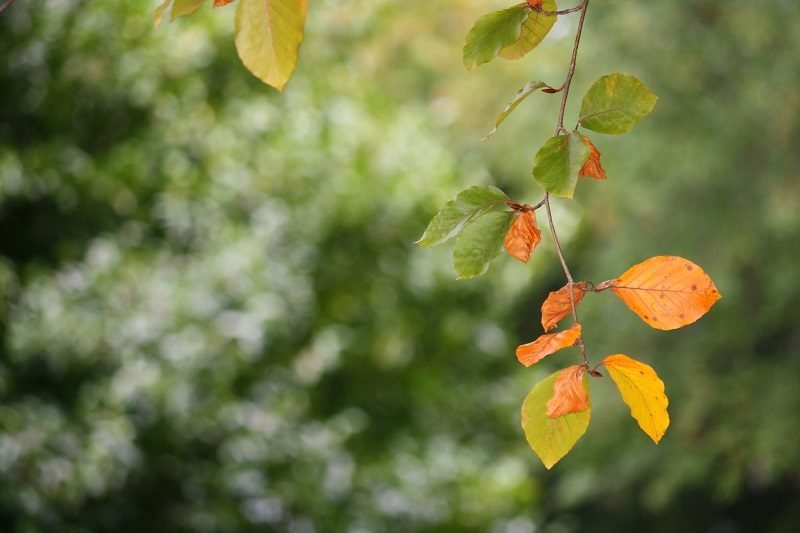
(213, 318)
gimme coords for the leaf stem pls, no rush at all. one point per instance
(575, 9)
(564, 89)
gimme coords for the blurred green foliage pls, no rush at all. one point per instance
(213, 318)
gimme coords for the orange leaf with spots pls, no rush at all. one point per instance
(220, 3)
(667, 292)
(570, 394)
(643, 391)
(523, 236)
(533, 352)
(592, 167)
(558, 305)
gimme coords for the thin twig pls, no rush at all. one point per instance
(575, 9)
(5, 5)
(559, 129)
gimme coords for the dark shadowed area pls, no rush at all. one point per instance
(214, 318)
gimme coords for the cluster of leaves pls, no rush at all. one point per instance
(666, 292)
(268, 33)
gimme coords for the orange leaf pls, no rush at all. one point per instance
(523, 236)
(533, 352)
(667, 292)
(569, 393)
(534, 3)
(220, 3)
(558, 305)
(592, 167)
(643, 391)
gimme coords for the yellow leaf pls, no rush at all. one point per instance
(643, 391)
(551, 438)
(570, 392)
(667, 292)
(533, 352)
(532, 32)
(268, 37)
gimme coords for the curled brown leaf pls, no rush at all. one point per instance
(592, 168)
(523, 236)
(533, 352)
(569, 393)
(558, 304)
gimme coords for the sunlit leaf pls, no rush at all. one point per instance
(533, 31)
(268, 37)
(479, 242)
(180, 8)
(570, 392)
(558, 162)
(493, 32)
(523, 236)
(558, 304)
(667, 292)
(643, 391)
(615, 103)
(550, 438)
(522, 94)
(468, 205)
(533, 352)
(592, 168)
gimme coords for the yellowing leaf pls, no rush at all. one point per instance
(523, 236)
(533, 352)
(533, 31)
(643, 391)
(592, 168)
(570, 392)
(667, 292)
(550, 438)
(558, 304)
(268, 37)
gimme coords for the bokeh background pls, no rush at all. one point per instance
(213, 317)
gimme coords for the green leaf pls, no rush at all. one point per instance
(268, 37)
(469, 204)
(521, 95)
(493, 32)
(182, 8)
(551, 438)
(533, 31)
(480, 242)
(615, 103)
(558, 162)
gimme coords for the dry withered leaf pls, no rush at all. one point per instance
(523, 236)
(533, 352)
(592, 168)
(558, 305)
(569, 393)
(667, 292)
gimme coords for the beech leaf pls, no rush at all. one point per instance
(523, 236)
(268, 37)
(643, 391)
(615, 103)
(570, 392)
(558, 162)
(558, 304)
(493, 32)
(220, 3)
(550, 438)
(533, 352)
(667, 292)
(592, 168)
(468, 205)
(522, 94)
(533, 31)
(479, 242)
(179, 8)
